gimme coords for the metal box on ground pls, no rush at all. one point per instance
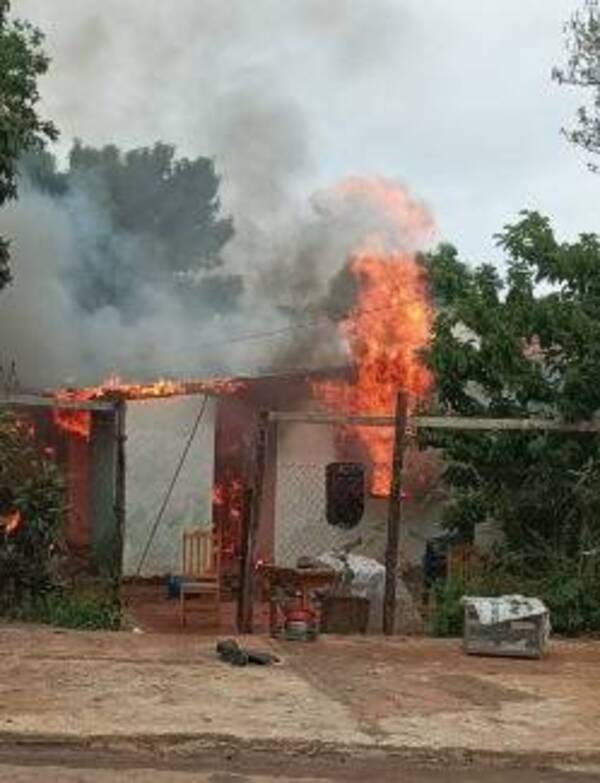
(510, 626)
(345, 614)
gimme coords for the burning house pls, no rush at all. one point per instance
(131, 494)
(145, 461)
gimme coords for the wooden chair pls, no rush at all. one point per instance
(201, 571)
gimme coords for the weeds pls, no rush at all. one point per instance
(83, 612)
(569, 586)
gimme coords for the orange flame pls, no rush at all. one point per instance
(228, 499)
(386, 329)
(79, 422)
(115, 387)
(11, 522)
(76, 423)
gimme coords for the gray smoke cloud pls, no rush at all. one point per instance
(247, 83)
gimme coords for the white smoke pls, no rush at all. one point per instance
(243, 82)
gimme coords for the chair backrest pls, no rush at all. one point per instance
(200, 553)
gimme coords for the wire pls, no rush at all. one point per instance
(267, 334)
(178, 470)
(257, 336)
(308, 324)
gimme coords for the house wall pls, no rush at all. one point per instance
(157, 432)
(301, 528)
(104, 529)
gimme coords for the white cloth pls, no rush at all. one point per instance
(368, 581)
(368, 576)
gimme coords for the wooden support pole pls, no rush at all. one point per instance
(394, 516)
(244, 615)
(121, 478)
(255, 508)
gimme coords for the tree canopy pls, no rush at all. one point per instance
(521, 343)
(141, 216)
(583, 70)
(22, 62)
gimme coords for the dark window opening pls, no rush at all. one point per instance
(345, 488)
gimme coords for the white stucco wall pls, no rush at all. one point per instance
(157, 431)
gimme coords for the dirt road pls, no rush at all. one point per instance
(86, 767)
(417, 701)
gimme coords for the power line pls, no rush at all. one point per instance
(299, 325)
(268, 334)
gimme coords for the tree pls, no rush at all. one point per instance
(150, 192)
(583, 70)
(142, 217)
(22, 62)
(522, 344)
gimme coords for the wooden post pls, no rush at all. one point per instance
(394, 516)
(255, 507)
(121, 478)
(244, 618)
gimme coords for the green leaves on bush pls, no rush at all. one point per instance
(31, 485)
(82, 612)
(570, 588)
(448, 614)
(519, 345)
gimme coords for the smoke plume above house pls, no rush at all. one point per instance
(246, 85)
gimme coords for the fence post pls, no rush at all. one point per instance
(394, 516)
(254, 519)
(121, 476)
(244, 617)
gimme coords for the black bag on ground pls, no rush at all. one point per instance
(229, 651)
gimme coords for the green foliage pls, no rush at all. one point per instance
(30, 485)
(170, 200)
(142, 218)
(583, 70)
(525, 344)
(568, 585)
(86, 612)
(22, 62)
(448, 614)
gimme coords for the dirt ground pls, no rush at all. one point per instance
(90, 773)
(147, 609)
(339, 698)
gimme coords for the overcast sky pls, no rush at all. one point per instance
(453, 98)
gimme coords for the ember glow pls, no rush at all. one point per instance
(75, 422)
(228, 502)
(387, 327)
(11, 522)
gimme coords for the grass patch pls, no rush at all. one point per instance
(87, 612)
(90, 608)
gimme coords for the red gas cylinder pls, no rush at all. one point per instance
(300, 624)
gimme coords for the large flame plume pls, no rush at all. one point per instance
(390, 322)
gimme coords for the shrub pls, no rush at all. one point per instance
(571, 589)
(32, 491)
(448, 614)
(568, 585)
